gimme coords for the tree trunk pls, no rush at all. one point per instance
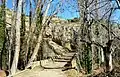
(108, 60)
(17, 39)
(108, 56)
(102, 56)
(40, 37)
(12, 37)
(22, 54)
(32, 26)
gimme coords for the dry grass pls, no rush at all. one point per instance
(72, 73)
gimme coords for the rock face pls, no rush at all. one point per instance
(68, 35)
(61, 37)
(62, 33)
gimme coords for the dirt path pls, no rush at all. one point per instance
(40, 72)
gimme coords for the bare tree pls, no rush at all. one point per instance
(93, 9)
(40, 34)
(17, 39)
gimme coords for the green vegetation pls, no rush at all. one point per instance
(74, 20)
(2, 28)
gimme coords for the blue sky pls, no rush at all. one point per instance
(116, 14)
(68, 9)
(67, 13)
